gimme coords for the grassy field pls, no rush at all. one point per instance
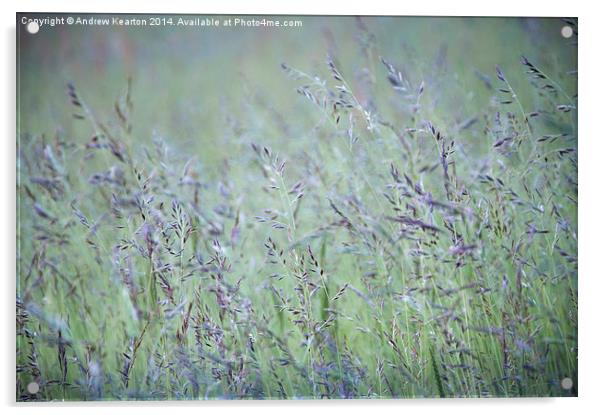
(354, 208)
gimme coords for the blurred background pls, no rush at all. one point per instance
(189, 82)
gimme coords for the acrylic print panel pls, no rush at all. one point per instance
(285, 207)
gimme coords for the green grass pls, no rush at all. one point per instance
(375, 218)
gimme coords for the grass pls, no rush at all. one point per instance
(368, 217)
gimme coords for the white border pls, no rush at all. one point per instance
(590, 160)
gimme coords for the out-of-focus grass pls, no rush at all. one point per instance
(483, 305)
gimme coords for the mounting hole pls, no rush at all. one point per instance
(33, 27)
(566, 31)
(566, 383)
(33, 388)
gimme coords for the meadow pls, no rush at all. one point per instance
(371, 207)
